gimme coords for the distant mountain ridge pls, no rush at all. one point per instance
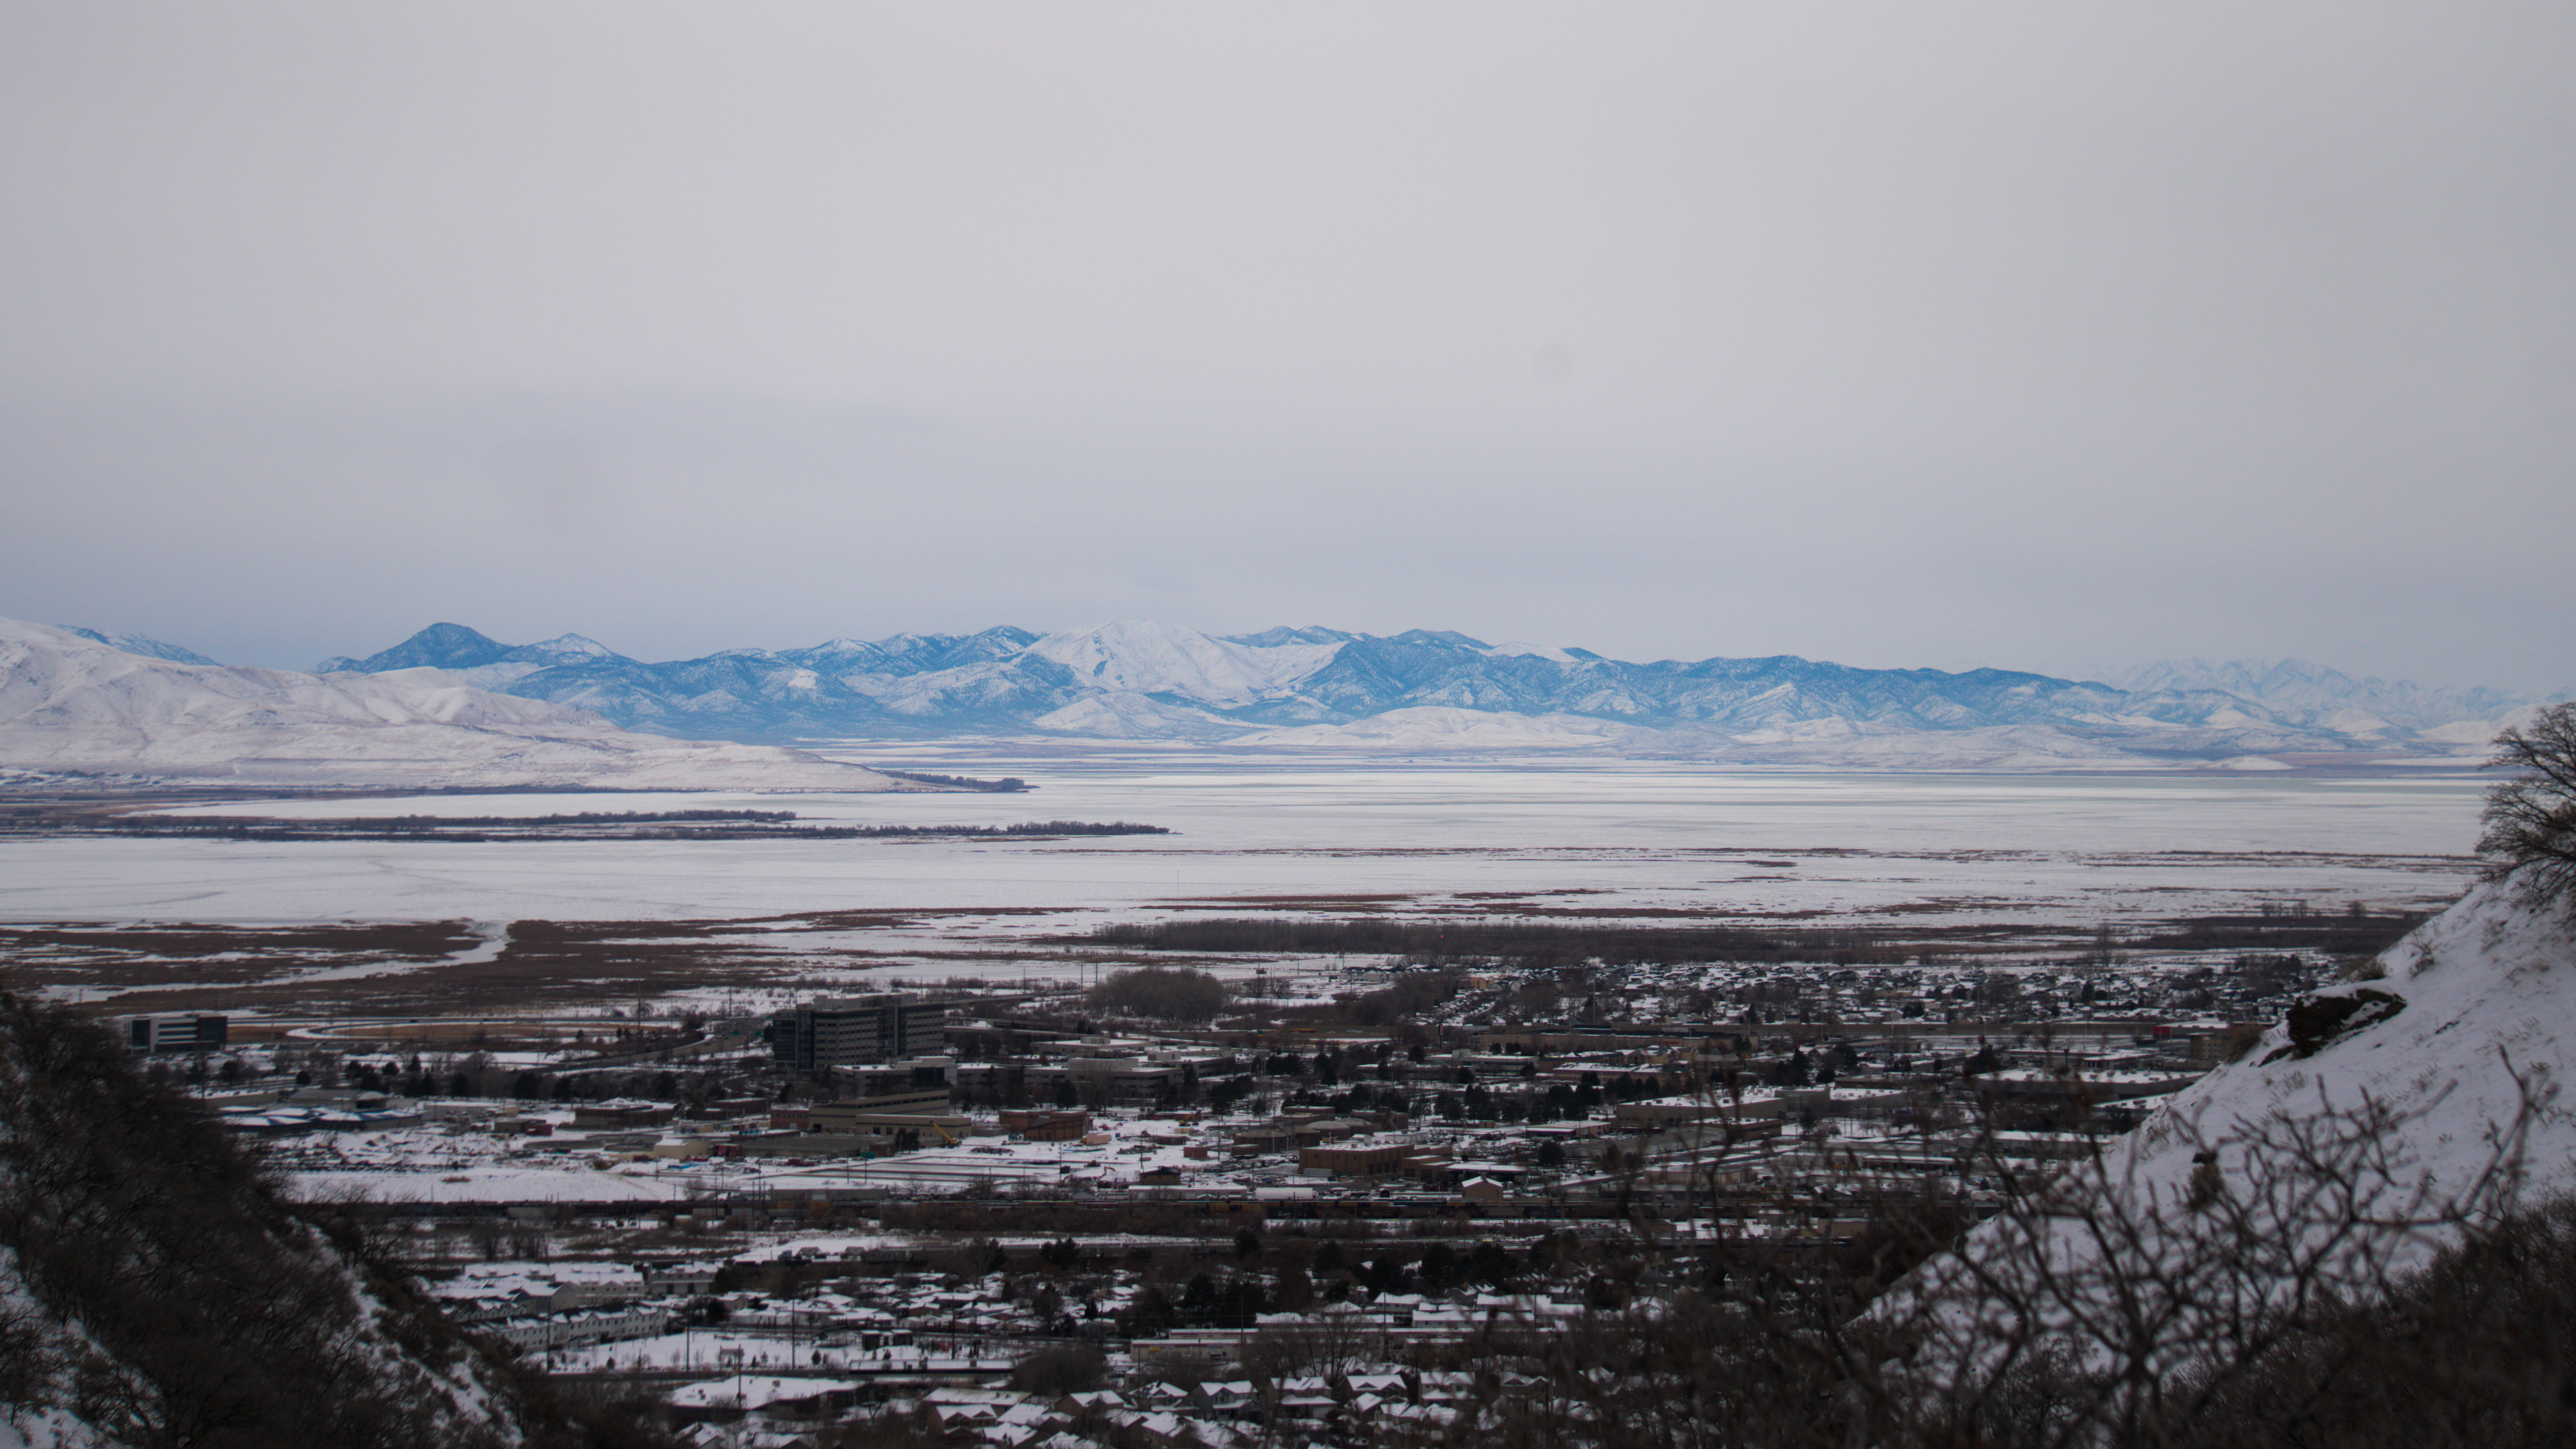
(2314, 694)
(1314, 687)
(72, 705)
(137, 644)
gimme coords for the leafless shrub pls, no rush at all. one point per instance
(1162, 993)
(2530, 818)
(1332, 1342)
(1063, 1369)
(2130, 1308)
(2306, 1283)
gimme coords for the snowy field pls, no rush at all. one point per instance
(427, 1164)
(1621, 836)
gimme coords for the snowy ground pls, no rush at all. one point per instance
(1639, 835)
(1604, 843)
(427, 1164)
(2326, 1161)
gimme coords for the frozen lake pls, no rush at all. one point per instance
(1651, 836)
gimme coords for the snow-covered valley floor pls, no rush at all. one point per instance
(1602, 844)
(1629, 836)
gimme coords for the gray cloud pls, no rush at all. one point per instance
(1885, 333)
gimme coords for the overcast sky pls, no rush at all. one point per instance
(2040, 335)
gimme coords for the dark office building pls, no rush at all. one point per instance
(855, 1031)
(177, 1033)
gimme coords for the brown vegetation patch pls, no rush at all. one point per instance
(1938, 907)
(541, 964)
(347, 940)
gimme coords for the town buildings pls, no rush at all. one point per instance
(855, 1031)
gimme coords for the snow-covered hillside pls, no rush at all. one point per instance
(2300, 692)
(1841, 745)
(1148, 658)
(1430, 728)
(155, 1290)
(69, 704)
(2344, 1147)
(2482, 992)
(138, 644)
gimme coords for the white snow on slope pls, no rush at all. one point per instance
(1831, 743)
(2480, 734)
(70, 705)
(1129, 716)
(498, 676)
(1438, 727)
(562, 649)
(1541, 651)
(139, 644)
(2488, 994)
(2314, 695)
(575, 646)
(1842, 744)
(1150, 658)
(2488, 980)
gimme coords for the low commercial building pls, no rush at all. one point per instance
(1759, 1111)
(1103, 1069)
(1259, 1141)
(853, 1114)
(815, 1146)
(863, 1126)
(680, 1279)
(1371, 1158)
(776, 1398)
(1046, 1125)
(600, 1293)
(613, 1115)
(1128, 1081)
(572, 1330)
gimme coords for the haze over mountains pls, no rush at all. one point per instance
(1438, 690)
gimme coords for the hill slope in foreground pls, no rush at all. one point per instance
(2386, 1125)
(72, 705)
(2473, 1005)
(155, 1288)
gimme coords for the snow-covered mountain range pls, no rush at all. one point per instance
(149, 648)
(1316, 688)
(71, 704)
(2312, 694)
